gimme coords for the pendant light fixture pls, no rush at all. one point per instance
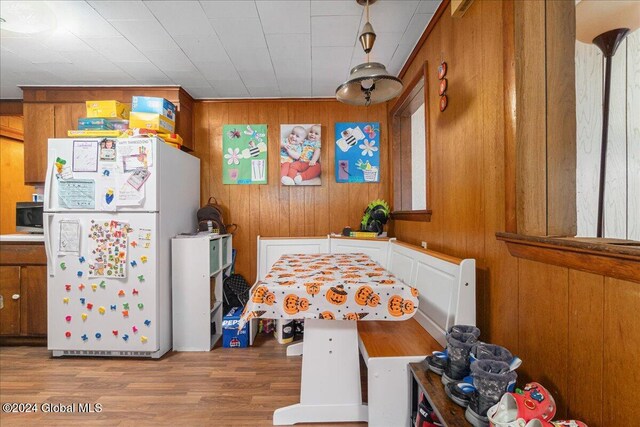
(369, 83)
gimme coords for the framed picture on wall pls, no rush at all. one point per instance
(244, 154)
(300, 154)
(357, 152)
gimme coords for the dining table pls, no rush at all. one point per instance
(331, 292)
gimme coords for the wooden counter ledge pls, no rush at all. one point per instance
(609, 257)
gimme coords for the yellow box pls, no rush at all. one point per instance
(95, 133)
(172, 138)
(153, 121)
(107, 109)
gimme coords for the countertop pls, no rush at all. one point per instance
(22, 238)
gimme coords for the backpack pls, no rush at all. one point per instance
(212, 211)
(235, 290)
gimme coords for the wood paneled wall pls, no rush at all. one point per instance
(468, 159)
(273, 209)
(576, 332)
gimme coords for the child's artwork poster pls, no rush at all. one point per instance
(300, 154)
(108, 245)
(244, 150)
(357, 152)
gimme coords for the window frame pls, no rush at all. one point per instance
(419, 83)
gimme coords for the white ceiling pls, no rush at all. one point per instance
(214, 49)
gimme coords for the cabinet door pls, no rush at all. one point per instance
(10, 311)
(66, 118)
(33, 308)
(38, 128)
(184, 125)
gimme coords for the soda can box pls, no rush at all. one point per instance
(107, 109)
(231, 336)
(152, 121)
(148, 104)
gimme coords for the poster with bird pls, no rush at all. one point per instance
(244, 154)
(357, 152)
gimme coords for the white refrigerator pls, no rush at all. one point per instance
(111, 208)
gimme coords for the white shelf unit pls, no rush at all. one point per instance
(199, 265)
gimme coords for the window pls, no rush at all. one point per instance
(410, 152)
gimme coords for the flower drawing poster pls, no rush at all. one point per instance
(357, 152)
(244, 154)
(300, 154)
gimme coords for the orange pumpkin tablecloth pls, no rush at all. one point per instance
(348, 286)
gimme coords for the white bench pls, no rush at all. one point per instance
(447, 297)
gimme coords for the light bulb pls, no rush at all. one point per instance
(366, 84)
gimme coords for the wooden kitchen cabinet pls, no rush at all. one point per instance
(33, 305)
(38, 128)
(23, 287)
(10, 295)
(49, 112)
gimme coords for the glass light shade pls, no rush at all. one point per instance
(359, 89)
(595, 17)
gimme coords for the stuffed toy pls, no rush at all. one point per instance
(375, 216)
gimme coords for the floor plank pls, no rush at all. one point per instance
(224, 387)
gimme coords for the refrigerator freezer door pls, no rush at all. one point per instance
(103, 314)
(106, 184)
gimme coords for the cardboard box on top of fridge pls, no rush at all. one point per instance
(107, 109)
(148, 104)
(95, 133)
(231, 336)
(152, 121)
(95, 123)
(172, 138)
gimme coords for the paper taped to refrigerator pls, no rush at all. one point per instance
(107, 183)
(138, 178)
(135, 153)
(77, 193)
(69, 237)
(108, 241)
(126, 195)
(85, 156)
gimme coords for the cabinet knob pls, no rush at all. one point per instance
(15, 296)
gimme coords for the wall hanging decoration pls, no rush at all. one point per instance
(357, 152)
(442, 89)
(300, 154)
(442, 70)
(244, 154)
(443, 102)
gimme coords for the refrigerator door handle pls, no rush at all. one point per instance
(51, 267)
(47, 187)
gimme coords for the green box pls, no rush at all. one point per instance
(214, 256)
(225, 252)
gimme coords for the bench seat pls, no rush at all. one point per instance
(395, 339)
(387, 349)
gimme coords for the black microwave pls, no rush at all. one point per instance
(29, 217)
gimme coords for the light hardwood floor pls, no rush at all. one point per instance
(224, 387)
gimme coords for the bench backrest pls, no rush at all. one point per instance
(270, 249)
(446, 284)
(378, 250)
